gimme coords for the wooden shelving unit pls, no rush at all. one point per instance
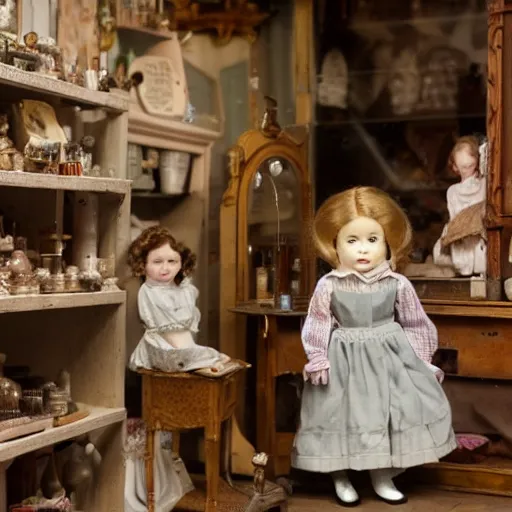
(83, 333)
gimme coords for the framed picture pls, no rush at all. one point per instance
(10, 17)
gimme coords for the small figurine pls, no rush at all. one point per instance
(267, 495)
(269, 124)
(372, 399)
(30, 39)
(167, 307)
(462, 244)
(107, 26)
(10, 158)
(79, 470)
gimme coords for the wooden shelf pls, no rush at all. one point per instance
(412, 118)
(99, 417)
(372, 25)
(45, 86)
(54, 182)
(164, 133)
(468, 308)
(491, 476)
(18, 303)
(160, 34)
(157, 195)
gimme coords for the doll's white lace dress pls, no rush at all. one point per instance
(172, 481)
(170, 308)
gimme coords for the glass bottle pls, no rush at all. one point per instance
(295, 278)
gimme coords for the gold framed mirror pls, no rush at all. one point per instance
(265, 224)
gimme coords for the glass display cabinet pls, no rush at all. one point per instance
(398, 85)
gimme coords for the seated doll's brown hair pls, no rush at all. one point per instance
(342, 208)
(152, 238)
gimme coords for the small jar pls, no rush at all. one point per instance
(72, 282)
(110, 285)
(42, 274)
(58, 402)
(106, 267)
(90, 281)
(32, 402)
(59, 283)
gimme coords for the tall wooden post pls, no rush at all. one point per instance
(495, 131)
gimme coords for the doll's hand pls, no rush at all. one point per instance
(319, 377)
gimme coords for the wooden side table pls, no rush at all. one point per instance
(183, 401)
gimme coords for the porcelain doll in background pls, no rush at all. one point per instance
(372, 399)
(462, 244)
(167, 307)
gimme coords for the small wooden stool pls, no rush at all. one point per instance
(183, 401)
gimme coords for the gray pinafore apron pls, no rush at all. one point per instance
(383, 407)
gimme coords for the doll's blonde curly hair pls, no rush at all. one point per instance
(153, 238)
(371, 202)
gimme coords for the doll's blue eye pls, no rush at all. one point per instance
(351, 241)
(372, 239)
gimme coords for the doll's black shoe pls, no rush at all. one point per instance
(400, 501)
(348, 504)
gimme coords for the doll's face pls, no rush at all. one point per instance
(163, 264)
(465, 163)
(361, 245)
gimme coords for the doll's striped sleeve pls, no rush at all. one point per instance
(317, 327)
(419, 329)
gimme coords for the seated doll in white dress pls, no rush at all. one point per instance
(167, 307)
(462, 244)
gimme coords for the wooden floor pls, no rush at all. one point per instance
(318, 496)
(420, 500)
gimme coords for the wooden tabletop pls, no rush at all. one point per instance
(257, 309)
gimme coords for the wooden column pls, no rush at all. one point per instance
(303, 40)
(495, 128)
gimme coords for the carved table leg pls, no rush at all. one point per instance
(212, 452)
(149, 461)
(226, 450)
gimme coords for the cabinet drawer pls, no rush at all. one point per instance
(483, 345)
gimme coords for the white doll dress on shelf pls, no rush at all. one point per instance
(172, 481)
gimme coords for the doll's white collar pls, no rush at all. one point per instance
(368, 277)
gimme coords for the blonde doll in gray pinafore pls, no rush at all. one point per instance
(372, 399)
